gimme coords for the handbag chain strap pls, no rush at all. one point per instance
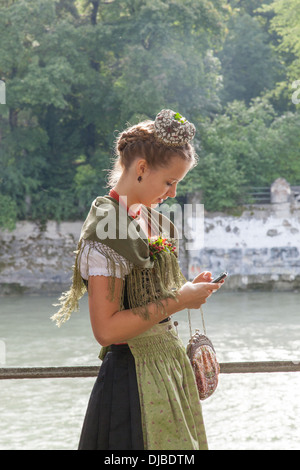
(190, 321)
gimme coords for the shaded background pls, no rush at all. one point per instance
(77, 71)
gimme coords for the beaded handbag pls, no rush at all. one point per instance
(204, 361)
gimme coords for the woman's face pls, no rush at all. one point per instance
(157, 185)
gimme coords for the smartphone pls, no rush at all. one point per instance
(220, 277)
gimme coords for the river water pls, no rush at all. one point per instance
(247, 412)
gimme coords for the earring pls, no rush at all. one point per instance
(139, 179)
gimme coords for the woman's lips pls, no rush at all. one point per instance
(160, 200)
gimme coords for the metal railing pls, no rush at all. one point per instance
(92, 371)
(262, 194)
(257, 195)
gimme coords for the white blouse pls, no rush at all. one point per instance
(95, 263)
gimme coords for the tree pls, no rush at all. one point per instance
(249, 66)
(285, 24)
(45, 62)
(76, 71)
(241, 148)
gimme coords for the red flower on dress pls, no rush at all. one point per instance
(160, 245)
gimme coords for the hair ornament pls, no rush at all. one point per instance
(173, 129)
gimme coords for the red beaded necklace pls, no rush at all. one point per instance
(115, 195)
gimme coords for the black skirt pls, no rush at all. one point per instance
(113, 417)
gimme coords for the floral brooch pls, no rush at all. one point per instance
(160, 245)
(173, 129)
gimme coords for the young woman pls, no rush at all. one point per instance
(145, 396)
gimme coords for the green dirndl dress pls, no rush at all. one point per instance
(171, 412)
(145, 396)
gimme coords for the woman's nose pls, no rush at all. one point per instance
(172, 191)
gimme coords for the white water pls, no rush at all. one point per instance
(247, 412)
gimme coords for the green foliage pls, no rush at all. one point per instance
(76, 71)
(241, 148)
(8, 212)
(248, 63)
(286, 146)
(284, 23)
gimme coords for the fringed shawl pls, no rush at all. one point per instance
(152, 277)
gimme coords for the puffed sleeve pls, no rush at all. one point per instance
(94, 263)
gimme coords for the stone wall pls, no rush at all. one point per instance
(34, 260)
(260, 249)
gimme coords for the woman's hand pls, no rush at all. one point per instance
(194, 294)
(206, 276)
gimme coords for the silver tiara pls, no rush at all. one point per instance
(173, 129)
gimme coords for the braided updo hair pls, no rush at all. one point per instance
(140, 141)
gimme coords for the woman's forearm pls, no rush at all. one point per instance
(125, 324)
(111, 325)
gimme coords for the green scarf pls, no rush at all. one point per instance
(154, 270)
